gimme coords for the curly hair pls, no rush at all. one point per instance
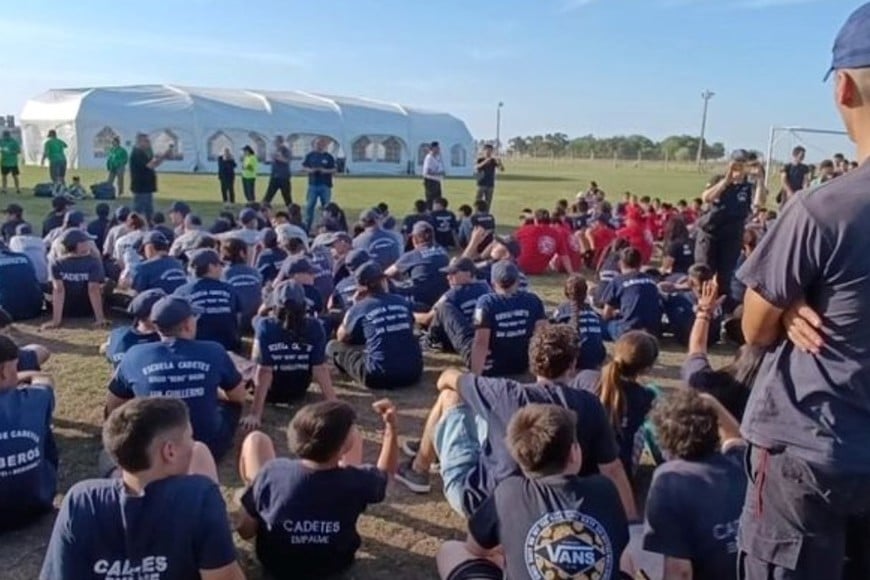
(553, 350)
(686, 425)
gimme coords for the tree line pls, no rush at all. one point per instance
(673, 148)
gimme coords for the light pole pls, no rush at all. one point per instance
(498, 128)
(706, 95)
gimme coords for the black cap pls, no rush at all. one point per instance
(60, 202)
(8, 350)
(460, 264)
(14, 209)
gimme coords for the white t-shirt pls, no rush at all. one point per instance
(433, 168)
(34, 248)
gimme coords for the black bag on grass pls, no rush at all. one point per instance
(104, 190)
(43, 190)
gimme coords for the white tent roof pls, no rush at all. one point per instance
(195, 115)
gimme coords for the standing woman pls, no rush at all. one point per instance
(250, 166)
(227, 176)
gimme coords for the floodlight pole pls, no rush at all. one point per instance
(706, 95)
(498, 128)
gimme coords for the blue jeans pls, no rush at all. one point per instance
(143, 204)
(457, 442)
(315, 193)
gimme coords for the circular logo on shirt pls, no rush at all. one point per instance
(546, 245)
(568, 545)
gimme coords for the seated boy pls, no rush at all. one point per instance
(549, 521)
(141, 331)
(28, 455)
(303, 512)
(631, 300)
(113, 528)
(680, 306)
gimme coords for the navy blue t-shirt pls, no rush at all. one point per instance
(465, 296)
(638, 401)
(178, 527)
(423, 268)
(290, 357)
(124, 338)
(20, 292)
(683, 254)
(99, 228)
(163, 272)
(730, 210)
(190, 370)
(385, 325)
(589, 331)
(281, 169)
(342, 296)
(511, 320)
(558, 526)
(221, 307)
(307, 518)
(269, 263)
(28, 455)
(319, 160)
(76, 272)
(411, 219)
(248, 284)
(381, 245)
(636, 296)
(693, 510)
(696, 373)
(445, 224)
(323, 281)
(497, 400)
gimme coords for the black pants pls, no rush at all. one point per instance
(451, 326)
(432, 190)
(228, 189)
(801, 522)
(248, 189)
(720, 251)
(351, 360)
(277, 184)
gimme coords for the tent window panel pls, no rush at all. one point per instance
(422, 151)
(103, 142)
(360, 150)
(166, 142)
(299, 145)
(258, 144)
(458, 156)
(216, 145)
(392, 150)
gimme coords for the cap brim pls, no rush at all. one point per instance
(828, 74)
(196, 310)
(448, 270)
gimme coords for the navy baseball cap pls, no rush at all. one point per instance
(61, 202)
(122, 213)
(170, 311)
(852, 46)
(289, 293)
(14, 209)
(368, 273)
(179, 207)
(102, 209)
(460, 264)
(356, 258)
(73, 219)
(300, 266)
(247, 215)
(202, 259)
(369, 215)
(270, 237)
(23, 230)
(156, 239)
(192, 220)
(330, 239)
(421, 228)
(73, 237)
(140, 306)
(509, 242)
(505, 273)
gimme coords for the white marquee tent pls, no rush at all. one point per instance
(372, 137)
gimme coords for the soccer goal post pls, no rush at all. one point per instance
(802, 136)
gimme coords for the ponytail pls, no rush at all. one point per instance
(612, 393)
(634, 353)
(576, 290)
(293, 318)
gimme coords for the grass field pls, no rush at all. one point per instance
(400, 536)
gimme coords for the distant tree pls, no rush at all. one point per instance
(674, 147)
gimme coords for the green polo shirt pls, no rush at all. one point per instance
(9, 152)
(54, 150)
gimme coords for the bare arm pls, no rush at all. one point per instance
(708, 301)
(783, 177)
(229, 572)
(342, 334)
(761, 320)
(392, 272)
(236, 395)
(58, 295)
(36, 378)
(667, 265)
(388, 460)
(262, 384)
(479, 350)
(321, 376)
(729, 427)
(615, 472)
(677, 569)
(113, 402)
(713, 193)
(609, 312)
(449, 380)
(424, 318)
(95, 295)
(566, 263)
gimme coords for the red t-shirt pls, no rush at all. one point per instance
(640, 238)
(690, 216)
(602, 237)
(538, 245)
(572, 247)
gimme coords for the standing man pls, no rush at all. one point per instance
(320, 167)
(808, 420)
(143, 178)
(486, 167)
(279, 179)
(719, 236)
(795, 175)
(433, 174)
(116, 164)
(55, 151)
(10, 149)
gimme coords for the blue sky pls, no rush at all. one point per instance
(578, 66)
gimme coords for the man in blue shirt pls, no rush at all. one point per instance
(631, 299)
(159, 270)
(422, 266)
(504, 322)
(279, 178)
(381, 245)
(28, 455)
(375, 343)
(77, 281)
(20, 292)
(467, 427)
(320, 167)
(218, 301)
(141, 331)
(164, 517)
(199, 372)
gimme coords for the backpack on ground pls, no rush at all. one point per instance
(43, 190)
(104, 190)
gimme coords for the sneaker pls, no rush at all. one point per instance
(411, 447)
(416, 482)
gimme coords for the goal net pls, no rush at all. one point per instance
(820, 144)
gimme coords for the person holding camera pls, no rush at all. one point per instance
(143, 177)
(485, 167)
(720, 230)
